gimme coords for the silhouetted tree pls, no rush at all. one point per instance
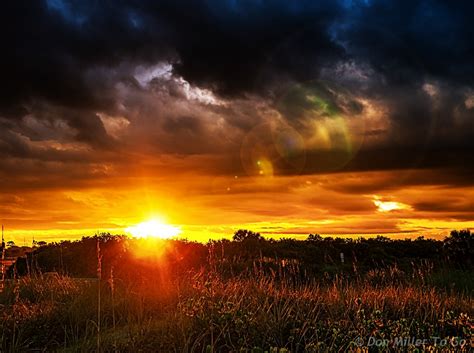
(314, 237)
(459, 247)
(316, 255)
(244, 235)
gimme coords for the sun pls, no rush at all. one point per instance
(153, 229)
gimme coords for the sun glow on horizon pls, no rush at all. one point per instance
(153, 229)
(387, 206)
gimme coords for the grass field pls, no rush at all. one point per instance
(257, 311)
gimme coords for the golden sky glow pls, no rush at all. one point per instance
(206, 207)
(280, 117)
(271, 178)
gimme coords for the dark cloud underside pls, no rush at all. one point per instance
(102, 82)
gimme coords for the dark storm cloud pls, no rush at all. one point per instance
(408, 39)
(64, 61)
(49, 46)
(189, 124)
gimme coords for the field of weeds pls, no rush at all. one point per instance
(114, 294)
(207, 313)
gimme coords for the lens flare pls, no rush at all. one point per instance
(265, 167)
(273, 148)
(330, 119)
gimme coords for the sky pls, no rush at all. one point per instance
(285, 117)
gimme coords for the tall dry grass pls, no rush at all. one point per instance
(205, 312)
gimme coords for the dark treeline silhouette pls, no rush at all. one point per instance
(315, 257)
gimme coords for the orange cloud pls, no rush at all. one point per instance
(205, 206)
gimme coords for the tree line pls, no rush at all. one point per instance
(316, 255)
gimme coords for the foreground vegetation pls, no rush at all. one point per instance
(177, 296)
